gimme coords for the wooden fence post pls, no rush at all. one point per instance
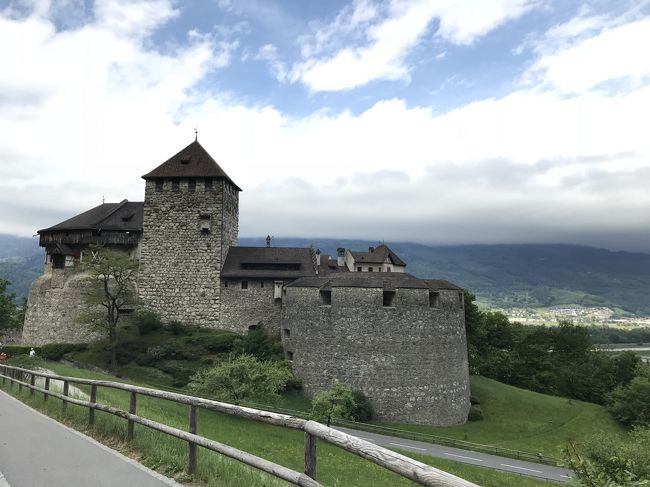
(93, 399)
(131, 426)
(32, 382)
(20, 379)
(191, 466)
(47, 388)
(310, 456)
(65, 393)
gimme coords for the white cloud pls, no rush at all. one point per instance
(86, 112)
(269, 53)
(616, 54)
(386, 43)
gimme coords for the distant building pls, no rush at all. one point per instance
(357, 318)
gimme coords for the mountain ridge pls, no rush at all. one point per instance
(501, 275)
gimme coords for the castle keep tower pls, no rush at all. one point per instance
(191, 218)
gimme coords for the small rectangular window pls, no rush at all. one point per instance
(359, 269)
(191, 185)
(389, 270)
(369, 269)
(379, 269)
(434, 299)
(208, 184)
(287, 333)
(159, 185)
(176, 185)
(261, 284)
(244, 284)
(225, 283)
(326, 298)
(389, 298)
(289, 355)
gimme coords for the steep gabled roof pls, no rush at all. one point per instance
(124, 216)
(191, 162)
(268, 262)
(378, 256)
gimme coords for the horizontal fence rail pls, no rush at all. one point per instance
(412, 435)
(402, 465)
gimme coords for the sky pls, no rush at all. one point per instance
(432, 121)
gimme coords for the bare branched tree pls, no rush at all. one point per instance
(111, 289)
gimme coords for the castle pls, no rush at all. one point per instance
(358, 318)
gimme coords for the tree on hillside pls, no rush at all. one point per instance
(8, 311)
(243, 378)
(111, 289)
(630, 404)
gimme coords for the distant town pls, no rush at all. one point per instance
(589, 316)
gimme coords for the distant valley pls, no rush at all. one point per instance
(524, 280)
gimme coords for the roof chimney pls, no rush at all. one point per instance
(340, 253)
(317, 257)
(371, 249)
(268, 240)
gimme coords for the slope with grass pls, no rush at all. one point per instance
(525, 420)
(279, 445)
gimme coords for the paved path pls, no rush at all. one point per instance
(36, 451)
(465, 456)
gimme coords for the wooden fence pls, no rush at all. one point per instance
(406, 467)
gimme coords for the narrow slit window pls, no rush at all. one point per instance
(389, 299)
(261, 284)
(287, 333)
(289, 355)
(434, 299)
(326, 298)
(244, 284)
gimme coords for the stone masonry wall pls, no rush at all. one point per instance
(181, 264)
(54, 302)
(241, 308)
(410, 359)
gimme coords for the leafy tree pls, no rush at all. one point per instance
(111, 288)
(243, 377)
(604, 461)
(340, 401)
(8, 311)
(631, 404)
(259, 343)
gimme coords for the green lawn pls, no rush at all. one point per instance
(335, 467)
(524, 420)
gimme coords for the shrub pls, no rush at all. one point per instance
(147, 321)
(261, 344)
(243, 377)
(225, 342)
(341, 402)
(177, 328)
(17, 350)
(56, 351)
(475, 413)
(130, 351)
(631, 404)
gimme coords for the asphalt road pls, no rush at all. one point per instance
(36, 451)
(465, 456)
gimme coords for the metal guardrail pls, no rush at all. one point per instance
(402, 465)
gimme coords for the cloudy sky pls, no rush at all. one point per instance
(440, 121)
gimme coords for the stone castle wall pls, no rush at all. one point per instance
(54, 303)
(242, 308)
(409, 359)
(181, 261)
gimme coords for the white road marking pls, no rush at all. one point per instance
(521, 468)
(566, 476)
(461, 456)
(407, 446)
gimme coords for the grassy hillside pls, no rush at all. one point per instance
(283, 446)
(525, 420)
